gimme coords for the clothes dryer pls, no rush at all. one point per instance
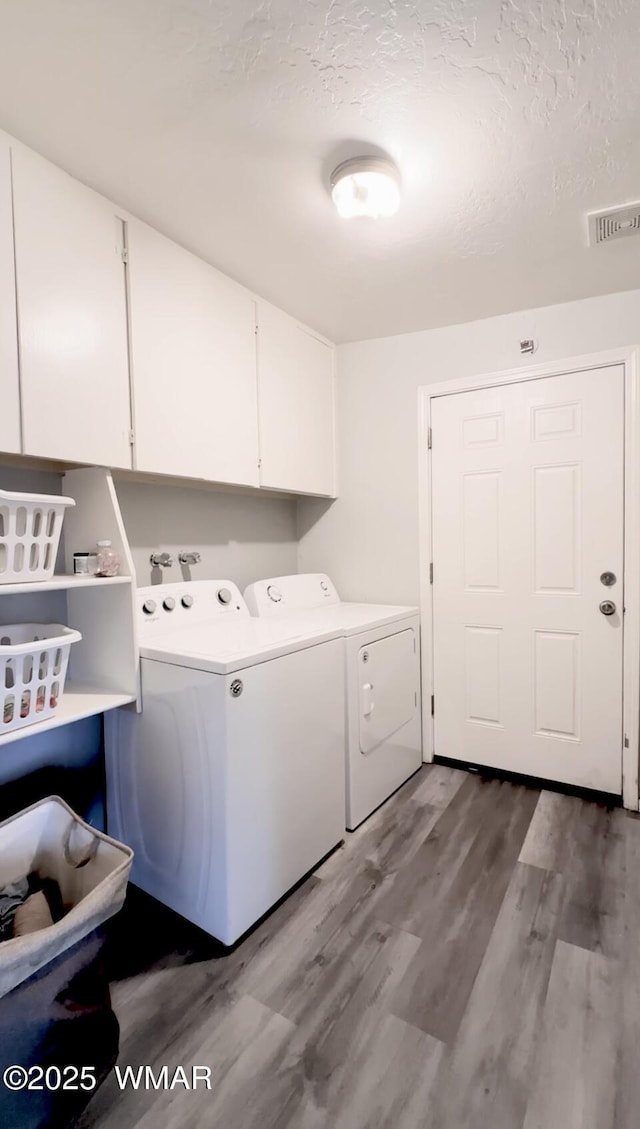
(382, 680)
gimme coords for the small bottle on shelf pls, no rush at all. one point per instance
(85, 564)
(108, 562)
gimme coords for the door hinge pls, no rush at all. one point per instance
(429, 439)
(433, 705)
(125, 255)
(431, 572)
(132, 438)
(626, 741)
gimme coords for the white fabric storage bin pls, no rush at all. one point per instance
(33, 667)
(91, 869)
(30, 527)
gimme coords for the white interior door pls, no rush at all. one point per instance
(527, 483)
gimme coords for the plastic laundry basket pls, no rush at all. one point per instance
(30, 527)
(33, 668)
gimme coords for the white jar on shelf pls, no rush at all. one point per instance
(108, 561)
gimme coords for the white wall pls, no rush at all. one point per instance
(368, 539)
(240, 537)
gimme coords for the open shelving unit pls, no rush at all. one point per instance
(76, 703)
(103, 667)
(61, 583)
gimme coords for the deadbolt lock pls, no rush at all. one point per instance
(608, 578)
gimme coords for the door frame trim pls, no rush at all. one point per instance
(629, 357)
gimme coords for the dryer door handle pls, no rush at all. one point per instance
(368, 704)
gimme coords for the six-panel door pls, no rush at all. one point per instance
(527, 516)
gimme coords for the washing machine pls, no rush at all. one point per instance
(229, 785)
(382, 679)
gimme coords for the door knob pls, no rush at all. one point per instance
(607, 607)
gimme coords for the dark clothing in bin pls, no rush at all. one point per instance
(55, 1007)
(61, 1016)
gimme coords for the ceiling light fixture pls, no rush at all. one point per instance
(366, 186)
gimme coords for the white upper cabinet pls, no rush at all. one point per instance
(296, 399)
(113, 335)
(74, 369)
(193, 349)
(9, 384)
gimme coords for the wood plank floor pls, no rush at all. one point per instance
(469, 959)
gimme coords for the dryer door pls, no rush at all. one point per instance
(388, 681)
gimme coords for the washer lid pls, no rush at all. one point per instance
(228, 646)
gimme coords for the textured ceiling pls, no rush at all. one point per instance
(219, 121)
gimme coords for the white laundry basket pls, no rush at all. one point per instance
(33, 667)
(30, 527)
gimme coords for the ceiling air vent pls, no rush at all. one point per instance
(614, 223)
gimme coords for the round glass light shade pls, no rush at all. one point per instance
(366, 186)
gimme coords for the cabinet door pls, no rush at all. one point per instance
(72, 320)
(193, 365)
(9, 385)
(295, 383)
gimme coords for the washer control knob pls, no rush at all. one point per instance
(274, 593)
(224, 596)
(169, 604)
(187, 601)
(149, 607)
(324, 586)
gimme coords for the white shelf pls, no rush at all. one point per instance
(76, 703)
(58, 582)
